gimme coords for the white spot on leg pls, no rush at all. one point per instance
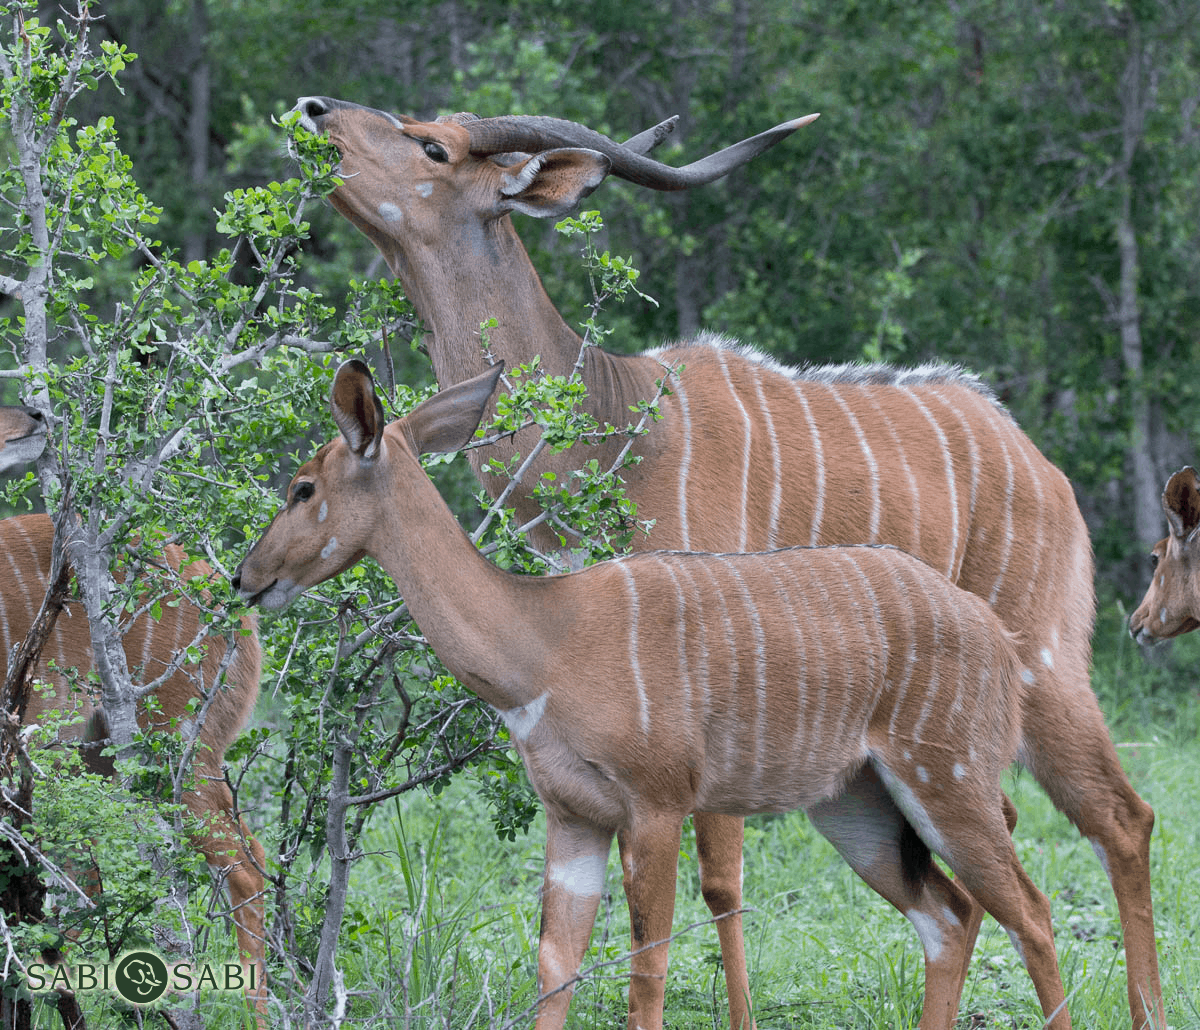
(1102, 855)
(929, 931)
(959, 770)
(1047, 658)
(1016, 942)
(1027, 677)
(582, 876)
(329, 548)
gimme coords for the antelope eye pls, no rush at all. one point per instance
(1154, 561)
(435, 152)
(302, 491)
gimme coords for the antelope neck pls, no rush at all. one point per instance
(462, 602)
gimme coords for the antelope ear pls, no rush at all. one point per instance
(1181, 502)
(549, 184)
(448, 419)
(356, 409)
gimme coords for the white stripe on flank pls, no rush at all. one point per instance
(975, 458)
(900, 582)
(760, 668)
(685, 460)
(764, 410)
(914, 488)
(818, 615)
(818, 487)
(933, 687)
(1006, 552)
(865, 447)
(1034, 549)
(875, 616)
(728, 692)
(681, 620)
(952, 488)
(699, 654)
(148, 627)
(962, 643)
(178, 644)
(799, 657)
(859, 663)
(747, 429)
(634, 659)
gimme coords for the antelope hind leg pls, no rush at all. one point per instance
(224, 844)
(981, 853)
(1087, 783)
(875, 839)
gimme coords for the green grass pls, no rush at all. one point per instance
(456, 912)
(442, 924)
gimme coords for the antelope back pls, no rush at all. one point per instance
(150, 645)
(753, 456)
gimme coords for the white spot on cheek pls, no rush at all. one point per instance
(929, 932)
(959, 770)
(425, 189)
(582, 876)
(1047, 658)
(1162, 582)
(330, 547)
(389, 212)
(1162, 616)
(323, 514)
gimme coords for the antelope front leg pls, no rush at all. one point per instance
(576, 856)
(649, 859)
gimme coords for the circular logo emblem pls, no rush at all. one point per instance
(141, 977)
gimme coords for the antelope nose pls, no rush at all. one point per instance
(313, 107)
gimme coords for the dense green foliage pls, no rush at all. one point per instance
(177, 294)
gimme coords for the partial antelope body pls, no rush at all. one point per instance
(1172, 602)
(22, 437)
(150, 646)
(750, 456)
(645, 688)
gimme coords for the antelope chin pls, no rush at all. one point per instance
(278, 594)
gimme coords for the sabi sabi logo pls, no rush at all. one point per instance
(141, 977)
